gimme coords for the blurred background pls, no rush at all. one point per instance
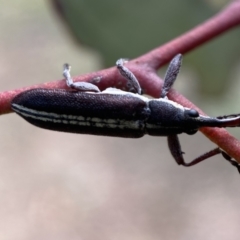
(65, 186)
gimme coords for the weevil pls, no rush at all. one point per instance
(85, 109)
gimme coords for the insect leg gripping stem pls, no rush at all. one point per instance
(171, 74)
(176, 151)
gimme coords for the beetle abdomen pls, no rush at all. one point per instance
(80, 112)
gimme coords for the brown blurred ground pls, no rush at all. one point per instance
(66, 186)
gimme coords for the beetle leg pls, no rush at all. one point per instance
(171, 75)
(80, 86)
(133, 83)
(176, 151)
(231, 160)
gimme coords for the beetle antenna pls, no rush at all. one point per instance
(232, 120)
(228, 116)
(171, 74)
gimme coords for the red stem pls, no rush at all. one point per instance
(145, 68)
(218, 24)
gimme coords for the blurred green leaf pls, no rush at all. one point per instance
(130, 28)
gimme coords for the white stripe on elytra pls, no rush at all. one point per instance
(114, 91)
(75, 120)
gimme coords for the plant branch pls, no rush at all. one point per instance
(145, 67)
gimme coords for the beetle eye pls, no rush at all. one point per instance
(193, 113)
